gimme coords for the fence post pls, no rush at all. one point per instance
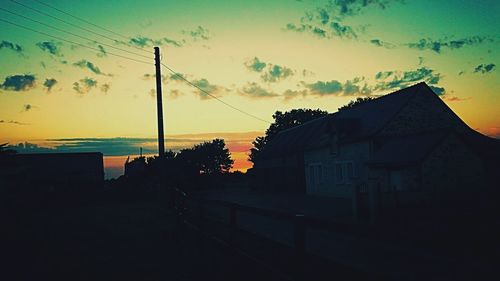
(300, 245)
(233, 215)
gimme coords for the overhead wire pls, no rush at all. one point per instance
(73, 34)
(86, 21)
(72, 42)
(213, 96)
(74, 25)
(107, 37)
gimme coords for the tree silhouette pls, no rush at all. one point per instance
(356, 102)
(207, 158)
(283, 121)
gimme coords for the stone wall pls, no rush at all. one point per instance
(452, 168)
(424, 112)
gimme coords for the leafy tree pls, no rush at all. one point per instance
(356, 102)
(283, 121)
(207, 158)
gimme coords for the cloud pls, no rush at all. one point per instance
(199, 33)
(380, 43)
(12, 122)
(253, 90)
(439, 44)
(28, 107)
(51, 47)
(255, 64)
(173, 42)
(437, 90)
(207, 88)
(84, 85)
(102, 51)
(291, 94)
(455, 99)
(334, 29)
(49, 84)
(337, 29)
(90, 66)
(276, 73)
(387, 80)
(18, 83)
(354, 7)
(485, 68)
(321, 88)
(270, 72)
(327, 21)
(353, 87)
(105, 88)
(142, 41)
(11, 46)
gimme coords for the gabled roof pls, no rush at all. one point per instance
(370, 117)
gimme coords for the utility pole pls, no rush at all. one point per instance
(161, 137)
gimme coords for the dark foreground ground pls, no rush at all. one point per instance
(137, 238)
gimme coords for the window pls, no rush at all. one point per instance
(344, 172)
(339, 174)
(317, 174)
(311, 174)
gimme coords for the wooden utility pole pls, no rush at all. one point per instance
(159, 104)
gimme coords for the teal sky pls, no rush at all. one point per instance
(260, 56)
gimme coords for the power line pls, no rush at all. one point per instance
(72, 42)
(71, 33)
(215, 97)
(85, 21)
(74, 25)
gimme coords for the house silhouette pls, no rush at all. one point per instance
(408, 142)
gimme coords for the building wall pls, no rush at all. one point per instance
(281, 174)
(322, 169)
(452, 168)
(424, 112)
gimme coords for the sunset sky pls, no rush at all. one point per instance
(258, 56)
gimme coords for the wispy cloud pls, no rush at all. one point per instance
(437, 45)
(13, 122)
(236, 142)
(255, 64)
(143, 41)
(254, 90)
(102, 51)
(291, 94)
(18, 83)
(90, 66)
(28, 107)
(84, 85)
(51, 47)
(485, 68)
(269, 72)
(49, 84)
(380, 43)
(11, 46)
(387, 80)
(199, 33)
(105, 88)
(327, 21)
(207, 87)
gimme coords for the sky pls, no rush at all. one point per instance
(73, 85)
